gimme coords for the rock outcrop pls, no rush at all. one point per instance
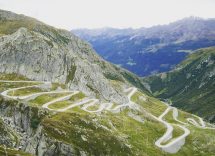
(41, 52)
(23, 122)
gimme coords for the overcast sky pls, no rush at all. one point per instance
(70, 14)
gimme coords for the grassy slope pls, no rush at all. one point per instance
(62, 104)
(25, 91)
(9, 26)
(125, 136)
(190, 87)
(152, 105)
(121, 138)
(119, 134)
(200, 142)
(12, 76)
(7, 85)
(12, 152)
(40, 100)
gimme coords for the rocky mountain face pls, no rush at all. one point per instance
(191, 86)
(147, 51)
(41, 52)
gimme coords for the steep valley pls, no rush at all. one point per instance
(59, 98)
(191, 85)
(157, 49)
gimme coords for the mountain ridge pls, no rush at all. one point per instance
(152, 50)
(57, 55)
(191, 85)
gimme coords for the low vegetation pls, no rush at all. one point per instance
(26, 91)
(12, 152)
(151, 104)
(78, 96)
(9, 85)
(12, 76)
(42, 99)
(191, 86)
(94, 107)
(109, 134)
(113, 133)
(60, 104)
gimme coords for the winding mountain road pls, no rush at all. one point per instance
(79, 103)
(46, 105)
(173, 145)
(175, 116)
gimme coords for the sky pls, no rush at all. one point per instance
(72, 14)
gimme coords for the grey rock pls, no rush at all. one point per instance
(44, 53)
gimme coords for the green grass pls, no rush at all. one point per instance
(117, 84)
(40, 100)
(26, 91)
(169, 118)
(192, 86)
(12, 76)
(94, 107)
(76, 109)
(175, 134)
(182, 116)
(71, 73)
(141, 136)
(117, 133)
(151, 104)
(74, 127)
(70, 127)
(196, 143)
(9, 27)
(200, 142)
(60, 104)
(36, 117)
(78, 96)
(12, 152)
(177, 131)
(9, 85)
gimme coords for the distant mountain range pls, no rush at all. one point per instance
(147, 51)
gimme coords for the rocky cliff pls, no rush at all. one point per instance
(41, 52)
(22, 122)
